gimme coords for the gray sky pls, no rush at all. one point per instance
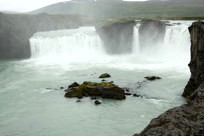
(29, 5)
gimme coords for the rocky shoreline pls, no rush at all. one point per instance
(188, 119)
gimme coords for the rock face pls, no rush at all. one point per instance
(151, 32)
(103, 89)
(16, 29)
(197, 58)
(188, 119)
(117, 36)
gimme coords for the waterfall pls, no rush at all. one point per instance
(71, 44)
(84, 44)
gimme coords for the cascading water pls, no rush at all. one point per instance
(84, 45)
(71, 45)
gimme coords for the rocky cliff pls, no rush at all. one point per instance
(16, 29)
(117, 36)
(188, 119)
(197, 58)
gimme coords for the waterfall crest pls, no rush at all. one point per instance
(84, 44)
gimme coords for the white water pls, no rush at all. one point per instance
(31, 103)
(84, 45)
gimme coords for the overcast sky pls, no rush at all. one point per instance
(29, 5)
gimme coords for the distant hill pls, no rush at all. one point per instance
(117, 8)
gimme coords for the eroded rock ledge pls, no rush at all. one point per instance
(188, 119)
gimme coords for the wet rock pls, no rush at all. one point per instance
(126, 89)
(111, 82)
(74, 93)
(105, 75)
(103, 89)
(97, 102)
(128, 94)
(152, 78)
(136, 95)
(103, 80)
(185, 120)
(196, 64)
(75, 84)
(78, 101)
(93, 98)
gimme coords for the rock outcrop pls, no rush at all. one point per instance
(117, 36)
(151, 32)
(188, 119)
(105, 75)
(16, 29)
(103, 89)
(197, 58)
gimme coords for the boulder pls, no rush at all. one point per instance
(103, 89)
(75, 84)
(152, 78)
(97, 102)
(105, 75)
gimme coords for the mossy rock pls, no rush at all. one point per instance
(103, 89)
(74, 93)
(75, 84)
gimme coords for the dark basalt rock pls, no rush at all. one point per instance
(128, 94)
(93, 98)
(105, 75)
(97, 102)
(75, 84)
(103, 89)
(152, 78)
(136, 95)
(78, 101)
(185, 120)
(197, 58)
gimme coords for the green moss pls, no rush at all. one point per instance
(107, 85)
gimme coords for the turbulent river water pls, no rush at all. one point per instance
(32, 103)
